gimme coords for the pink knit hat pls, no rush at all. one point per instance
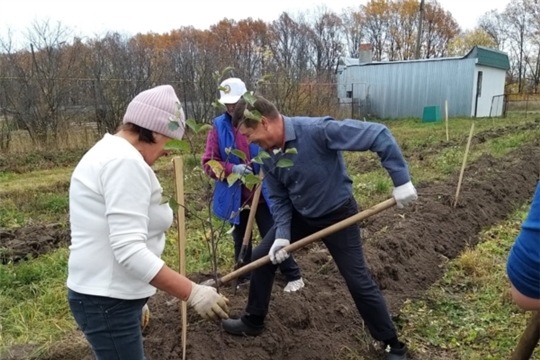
(154, 109)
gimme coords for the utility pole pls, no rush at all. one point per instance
(420, 22)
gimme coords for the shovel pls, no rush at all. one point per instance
(311, 238)
(249, 227)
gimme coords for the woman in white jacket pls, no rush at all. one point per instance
(118, 229)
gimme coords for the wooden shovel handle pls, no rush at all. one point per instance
(312, 238)
(252, 212)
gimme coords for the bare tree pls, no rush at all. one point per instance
(39, 84)
(352, 28)
(291, 50)
(492, 23)
(532, 59)
(120, 68)
(376, 23)
(516, 21)
(440, 28)
(327, 40)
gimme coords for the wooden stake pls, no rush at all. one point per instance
(446, 118)
(249, 227)
(529, 339)
(464, 163)
(178, 165)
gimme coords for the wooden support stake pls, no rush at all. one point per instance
(529, 339)
(178, 165)
(446, 119)
(464, 163)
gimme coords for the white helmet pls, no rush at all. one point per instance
(231, 91)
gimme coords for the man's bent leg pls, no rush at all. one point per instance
(260, 290)
(262, 278)
(346, 249)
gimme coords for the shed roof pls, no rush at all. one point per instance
(489, 57)
(486, 57)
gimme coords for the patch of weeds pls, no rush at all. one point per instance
(30, 161)
(34, 205)
(501, 146)
(53, 203)
(383, 186)
(33, 300)
(7, 176)
(449, 160)
(10, 215)
(469, 311)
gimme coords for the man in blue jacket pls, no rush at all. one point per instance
(315, 193)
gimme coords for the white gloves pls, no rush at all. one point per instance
(206, 301)
(242, 169)
(404, 194)
(276, 253)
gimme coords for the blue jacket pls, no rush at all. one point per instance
(227, 199)
(523, 264)
(319, 183)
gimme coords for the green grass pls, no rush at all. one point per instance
(33, 302)
(468, 314)
(34, 206)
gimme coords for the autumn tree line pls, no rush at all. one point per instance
(55, 78)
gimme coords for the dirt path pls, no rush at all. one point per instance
(403, 252)
(31, 241)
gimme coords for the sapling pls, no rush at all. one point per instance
(213, 233)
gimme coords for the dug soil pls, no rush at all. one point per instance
(404, 251)
(31, 241)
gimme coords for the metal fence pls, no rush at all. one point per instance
(528, 103)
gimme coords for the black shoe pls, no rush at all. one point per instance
(396, 354)
(239, 327)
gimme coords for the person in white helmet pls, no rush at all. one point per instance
(229, 199)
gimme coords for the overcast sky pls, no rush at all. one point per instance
(91, 17)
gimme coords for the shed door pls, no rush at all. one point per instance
(478, 91)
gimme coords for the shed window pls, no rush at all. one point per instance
(349, 94)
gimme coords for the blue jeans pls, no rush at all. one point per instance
(111, 326)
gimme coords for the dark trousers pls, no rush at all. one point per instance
(345, 246)
(111, 326)
(265, 223)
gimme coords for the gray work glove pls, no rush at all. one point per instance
(242, 169)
